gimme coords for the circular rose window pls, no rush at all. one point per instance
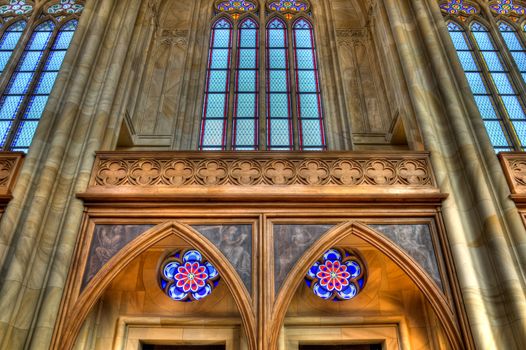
(339, 275)
(187, 276)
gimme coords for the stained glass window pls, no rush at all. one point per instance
(27, 92)
(187, 276)
(9, 41)
(245, 123)
(279, 118)
(514, 45)
(292, 115)
(500, 76)
(479, 87)
(308, 98)
(215, 109)
(339, 275)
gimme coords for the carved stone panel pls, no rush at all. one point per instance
(290, 243)
(106, 242)
(417, 242)
(235, 242)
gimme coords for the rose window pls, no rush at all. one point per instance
(187, 276)
(339, 275)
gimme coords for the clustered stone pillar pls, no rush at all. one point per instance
(40, 227)
(481, 221)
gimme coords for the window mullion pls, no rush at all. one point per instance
(293, 87)
(32, 86)
(262, 53)
(234, 61)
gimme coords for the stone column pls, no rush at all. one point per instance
(478, 224)
(39, 230)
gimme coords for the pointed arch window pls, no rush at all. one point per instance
(291, 117)
(497, 80)
(26, 90)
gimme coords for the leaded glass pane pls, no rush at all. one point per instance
(280, 134)
(215, 103)
(513, 106)
(245, 133)
(307, 88)
(8, 42)
(515, 46)
(27, 92)
(493, 63)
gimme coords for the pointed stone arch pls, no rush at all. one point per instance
(79, 310)
(412, 269)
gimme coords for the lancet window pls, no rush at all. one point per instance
(281, 37)
(28, 74)
(490, 43)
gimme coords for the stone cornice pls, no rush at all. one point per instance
(10, 164)
(262, 176)
(514, 166)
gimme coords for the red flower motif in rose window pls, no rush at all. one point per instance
(333, 276)
(191, 277)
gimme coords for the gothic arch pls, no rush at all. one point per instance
(75, 316)
(419, 277)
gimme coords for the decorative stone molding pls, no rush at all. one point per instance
(10, 164)
(514, 166)
(176, 37)
(348, 37)
(179, 176)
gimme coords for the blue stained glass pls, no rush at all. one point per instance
(248, 38)
(310, 132)
(5, 126)
(303, 38)
(218, 81)
(36, 107)
(213, 132)
(39, 40)
(9, 106)
(46, 82)
(476, 83)
(70, 26)
(502, 83)
(277, 58)
(246, 81)
(278, 81)
(19, 83)
(248, 24)
(309, 106)
(29, 61)
(25, 133)
(513, 106)
(246, 105)
(280, 132)
(520, 59)
(12, 35)
(467, 60)
(220, 59)
(215, 105)
(307, 81)
(63, 40)
(485, 106)
(520, 130)
(493, 61)
(4, 58)
(245, 132)
(496, 133)
(305, 59)
(279, 105)
(511, 40)
(276, 38)
(55, 60)
(247, 59)
(459, 40)
(222, 38)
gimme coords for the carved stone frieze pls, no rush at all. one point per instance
(226, 174)
(10, 164)
(514, 166)
(347, 37)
